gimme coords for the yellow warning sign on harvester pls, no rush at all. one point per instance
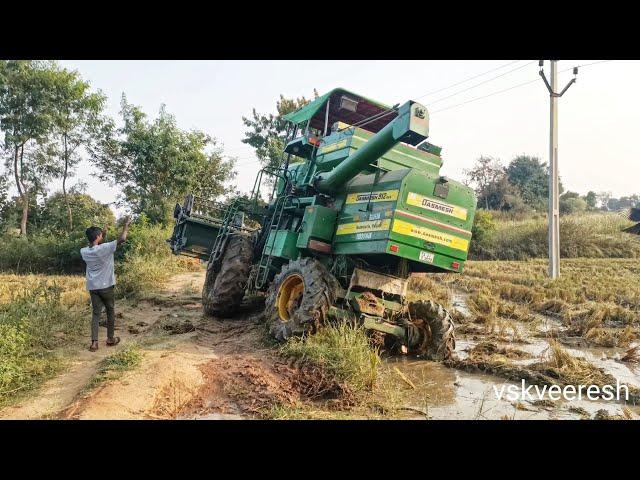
(427, 203)
(360, 227)
(411, 230)
(366, 197)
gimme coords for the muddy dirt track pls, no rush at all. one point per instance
(194, 367)
(191, 367)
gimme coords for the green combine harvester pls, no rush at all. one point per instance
(357, 206)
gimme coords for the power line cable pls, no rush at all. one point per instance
(477, 98)
(481, 83)
(485, 96)
(467, 79)
(512, 88)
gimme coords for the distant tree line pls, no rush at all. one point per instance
(523, 185)
(51, 120)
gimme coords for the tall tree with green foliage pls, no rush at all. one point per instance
(27, 117)
(4, 201)
(78, 121)
(485, 175)
(592, 200)
(155, 163)
(52, 216)
(267, 133)
(531, 177)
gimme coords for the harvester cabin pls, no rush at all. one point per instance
(336, 124)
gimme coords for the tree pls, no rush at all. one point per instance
(4, 202)
(486, 172)
(603, 199)
(156, 163)
(78, 123)
(622, 203)
(267, 133)
(591, 199)
(569, 205)
(569, 194)
(531, 178)
(87, 211)
(501, 195)
(27, 118)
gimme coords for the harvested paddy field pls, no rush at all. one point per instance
(516, 324)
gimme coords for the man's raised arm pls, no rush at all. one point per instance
(125, 230)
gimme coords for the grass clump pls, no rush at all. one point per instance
(112, 367)
(425, 287)
(342, 350)
(145, 260)
(37, 318)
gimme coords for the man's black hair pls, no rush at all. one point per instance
(92, 233)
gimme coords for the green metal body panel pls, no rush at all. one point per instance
(318, 223)
(282, 243)
(411, 126)
(339, 145)
(397, 213)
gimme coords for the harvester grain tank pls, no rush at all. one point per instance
(358, 206)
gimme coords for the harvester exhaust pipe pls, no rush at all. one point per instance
(410, 126)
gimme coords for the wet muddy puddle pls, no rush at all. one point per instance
(446, 393)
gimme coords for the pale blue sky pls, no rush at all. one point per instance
(598, 117)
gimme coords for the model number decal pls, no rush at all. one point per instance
(382, 196)
(421, 201)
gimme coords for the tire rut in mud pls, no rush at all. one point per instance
(249, 385)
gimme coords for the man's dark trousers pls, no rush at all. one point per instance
(102, 298)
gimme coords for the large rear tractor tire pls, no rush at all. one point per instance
(299, 298)
(223, 291)
(207, 289)
(435, 329)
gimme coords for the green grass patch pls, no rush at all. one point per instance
(341, 350)
(112, 367)
(38, 317)
(145, 261)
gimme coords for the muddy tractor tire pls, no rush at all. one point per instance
(434, 330)
(299, 298)
(223, 291)
(207, 289)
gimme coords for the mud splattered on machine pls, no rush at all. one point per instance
(357, 206)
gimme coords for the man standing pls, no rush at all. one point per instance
(101, 279)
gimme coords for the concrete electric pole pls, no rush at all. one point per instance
(554, 211)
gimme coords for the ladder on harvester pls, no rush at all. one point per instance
(265, 264)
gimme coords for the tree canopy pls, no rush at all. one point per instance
(156, 163)
(267, 132)
(46, 113)
(27, 118)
